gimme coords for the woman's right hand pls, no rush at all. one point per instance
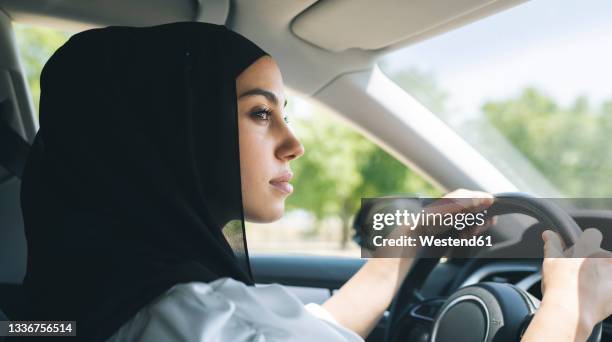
(577, 288)
(579, 278)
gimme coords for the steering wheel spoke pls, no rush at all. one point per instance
(426, 310)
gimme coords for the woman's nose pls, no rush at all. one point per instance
(298, 152)
(291, 148)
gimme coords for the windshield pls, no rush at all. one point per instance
(530, 88)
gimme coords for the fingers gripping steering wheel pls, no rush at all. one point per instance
(482, 312)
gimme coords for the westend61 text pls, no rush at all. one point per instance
(432, 241)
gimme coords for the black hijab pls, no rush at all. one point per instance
(133, 182)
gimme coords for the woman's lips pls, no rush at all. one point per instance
(285, 187)
(282, 182)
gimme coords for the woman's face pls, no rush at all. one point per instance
(267, 143)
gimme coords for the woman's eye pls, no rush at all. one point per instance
(263, 114)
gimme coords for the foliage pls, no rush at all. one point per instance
(567, 144)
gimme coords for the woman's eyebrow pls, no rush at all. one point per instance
(263, 92)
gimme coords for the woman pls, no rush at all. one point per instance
(154, 145)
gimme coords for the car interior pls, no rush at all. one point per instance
(328, 52)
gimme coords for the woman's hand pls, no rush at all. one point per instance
(577, 288)
(579, 278)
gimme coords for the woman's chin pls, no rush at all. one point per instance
(267, 215)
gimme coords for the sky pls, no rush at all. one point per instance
(561, 47)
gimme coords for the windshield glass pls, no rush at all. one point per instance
(530, 88)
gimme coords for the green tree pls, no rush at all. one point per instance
(567, 144)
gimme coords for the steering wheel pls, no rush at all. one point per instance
(485, 311)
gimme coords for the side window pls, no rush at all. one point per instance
(340, 167)
(36, 44)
